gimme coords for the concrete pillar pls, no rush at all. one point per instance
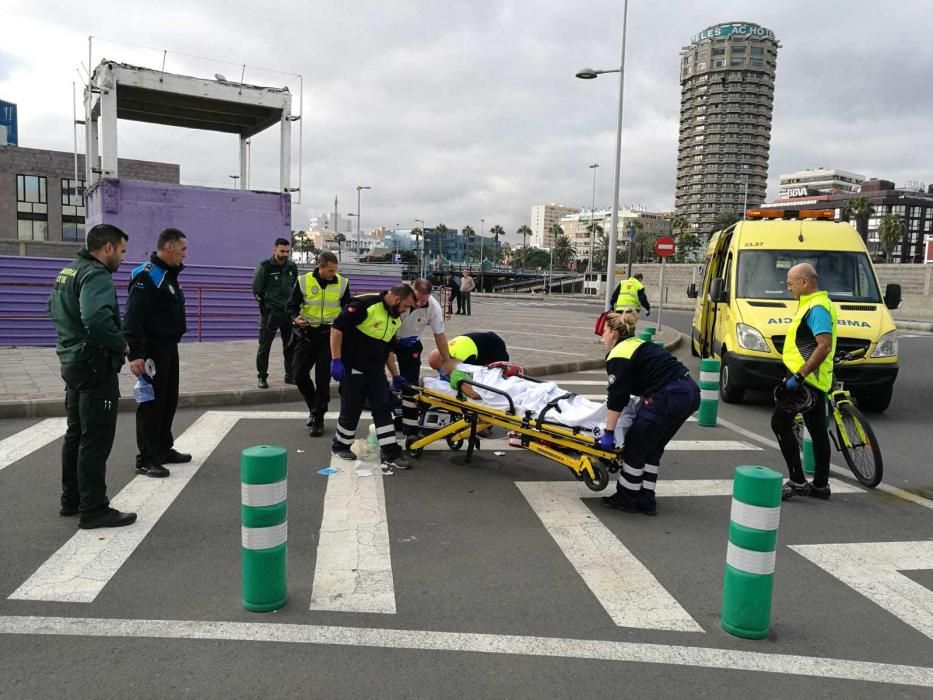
(285, 158)
(108, 136)
(244, 160)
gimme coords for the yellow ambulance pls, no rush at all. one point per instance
(743, 306)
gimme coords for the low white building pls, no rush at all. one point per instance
(819, 180)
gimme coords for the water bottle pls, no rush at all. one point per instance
(372, 442)
(143, 390)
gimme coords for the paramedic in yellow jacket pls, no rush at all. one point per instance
(630, 294)
(808, 359)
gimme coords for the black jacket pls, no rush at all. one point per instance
(650, 368)
(155, 308)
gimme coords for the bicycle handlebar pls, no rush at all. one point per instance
(842, 357)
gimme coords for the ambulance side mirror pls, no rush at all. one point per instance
(892, 296)
(716, 291)
(692, 291)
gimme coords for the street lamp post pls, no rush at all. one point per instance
(235, 179)
(423, 269)
(590, 265)
(589, 74)
(359, 188)
(482, 231)
(350, 215)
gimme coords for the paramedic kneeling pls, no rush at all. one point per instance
(669, 396)
(362, 341)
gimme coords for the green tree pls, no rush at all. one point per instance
(339, 239)
(564, 252)
(536, 257)
(524, 231)
(860, 209)
(891, 230)
(506, 252)
(498, 254)
(440, 230)
(725, 219)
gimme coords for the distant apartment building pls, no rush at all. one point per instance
(819, 181)
(40, 199)
(577, 226)
(543, 216)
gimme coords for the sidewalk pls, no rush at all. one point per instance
(545, 340)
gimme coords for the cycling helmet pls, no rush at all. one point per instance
(800, 399)
(509, 369)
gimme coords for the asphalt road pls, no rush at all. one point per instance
(492, 577)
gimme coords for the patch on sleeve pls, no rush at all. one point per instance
(352, 308)
(612, 378)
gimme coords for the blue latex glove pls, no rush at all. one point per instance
(407, 342)
(337, 370)
(606, 441)
(443, 377)
(792, 382)
(399, 382)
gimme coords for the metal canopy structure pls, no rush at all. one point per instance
(121, 91)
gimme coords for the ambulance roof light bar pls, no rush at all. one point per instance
(791, 214)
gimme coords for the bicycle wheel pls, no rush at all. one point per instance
(858, 445)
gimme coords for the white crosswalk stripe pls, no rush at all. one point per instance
(25, 442)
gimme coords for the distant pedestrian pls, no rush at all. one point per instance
(467, 285)
(154, 324)
(630, 294)
(273, 282)
(453, 291)
(90, 344)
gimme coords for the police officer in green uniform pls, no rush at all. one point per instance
(154, 324)
(808, 353)
(630, 294)
(83, 306)
(362, 344)
(313, 307)
(273, 282)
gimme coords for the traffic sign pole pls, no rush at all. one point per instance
(664, 247)
(661, 293)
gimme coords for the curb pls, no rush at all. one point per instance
(49, 408)
(926, 326)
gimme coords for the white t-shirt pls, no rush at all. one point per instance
(415, 320)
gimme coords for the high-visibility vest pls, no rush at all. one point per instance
(462, 348)
(625, 349)
(321, 305)
(794, 356)
(379, 323)
(628, 294)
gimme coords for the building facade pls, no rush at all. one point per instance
(727, 95)
(819, 181)
(543, 216)
(577, 226)
(914, 206)
(40, 200)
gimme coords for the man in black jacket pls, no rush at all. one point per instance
(273, 282)
(154, 324)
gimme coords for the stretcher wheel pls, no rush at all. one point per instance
(602, 478)
(410, 450)
(454, 444)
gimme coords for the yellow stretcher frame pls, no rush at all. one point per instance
(578, 453)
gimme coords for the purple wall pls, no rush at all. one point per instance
(218, 300)
(225, 227)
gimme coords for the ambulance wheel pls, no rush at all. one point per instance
(454, 444)
(410, 450)
(729, 391)
(602, 478)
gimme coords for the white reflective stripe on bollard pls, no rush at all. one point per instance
(755, 517)
(264, 537)
(711, 377)
(750, 561)
(257, 495)
(709, 394)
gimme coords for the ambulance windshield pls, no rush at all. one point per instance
(846, 276)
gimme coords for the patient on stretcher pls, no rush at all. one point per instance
(566, 409)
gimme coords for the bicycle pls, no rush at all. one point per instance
(854, 437)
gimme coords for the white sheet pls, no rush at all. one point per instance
(575, 412)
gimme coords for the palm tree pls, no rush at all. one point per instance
(524, 231)
(440, 230)
(725, 219)
(890, 232)
(564, 252)
(418, 233)
(506, 250)
(470, 234)
(860, 209)
(339, 238)
(497, 231)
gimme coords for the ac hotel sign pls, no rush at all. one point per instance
(739, 29)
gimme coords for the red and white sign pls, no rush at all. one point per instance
(928, 258)
(665, 247)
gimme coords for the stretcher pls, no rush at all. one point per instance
(457, 419)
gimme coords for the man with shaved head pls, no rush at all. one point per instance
(808, 359)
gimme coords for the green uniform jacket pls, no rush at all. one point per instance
(273, 284)
(83, 306)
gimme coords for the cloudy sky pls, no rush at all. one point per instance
(453, 112)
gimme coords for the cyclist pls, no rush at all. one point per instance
(808, 358)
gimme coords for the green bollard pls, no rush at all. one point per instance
(644, 336)
(708, 414)
(264, 535)
(650, 330)
(749, 576)
(809, 461)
